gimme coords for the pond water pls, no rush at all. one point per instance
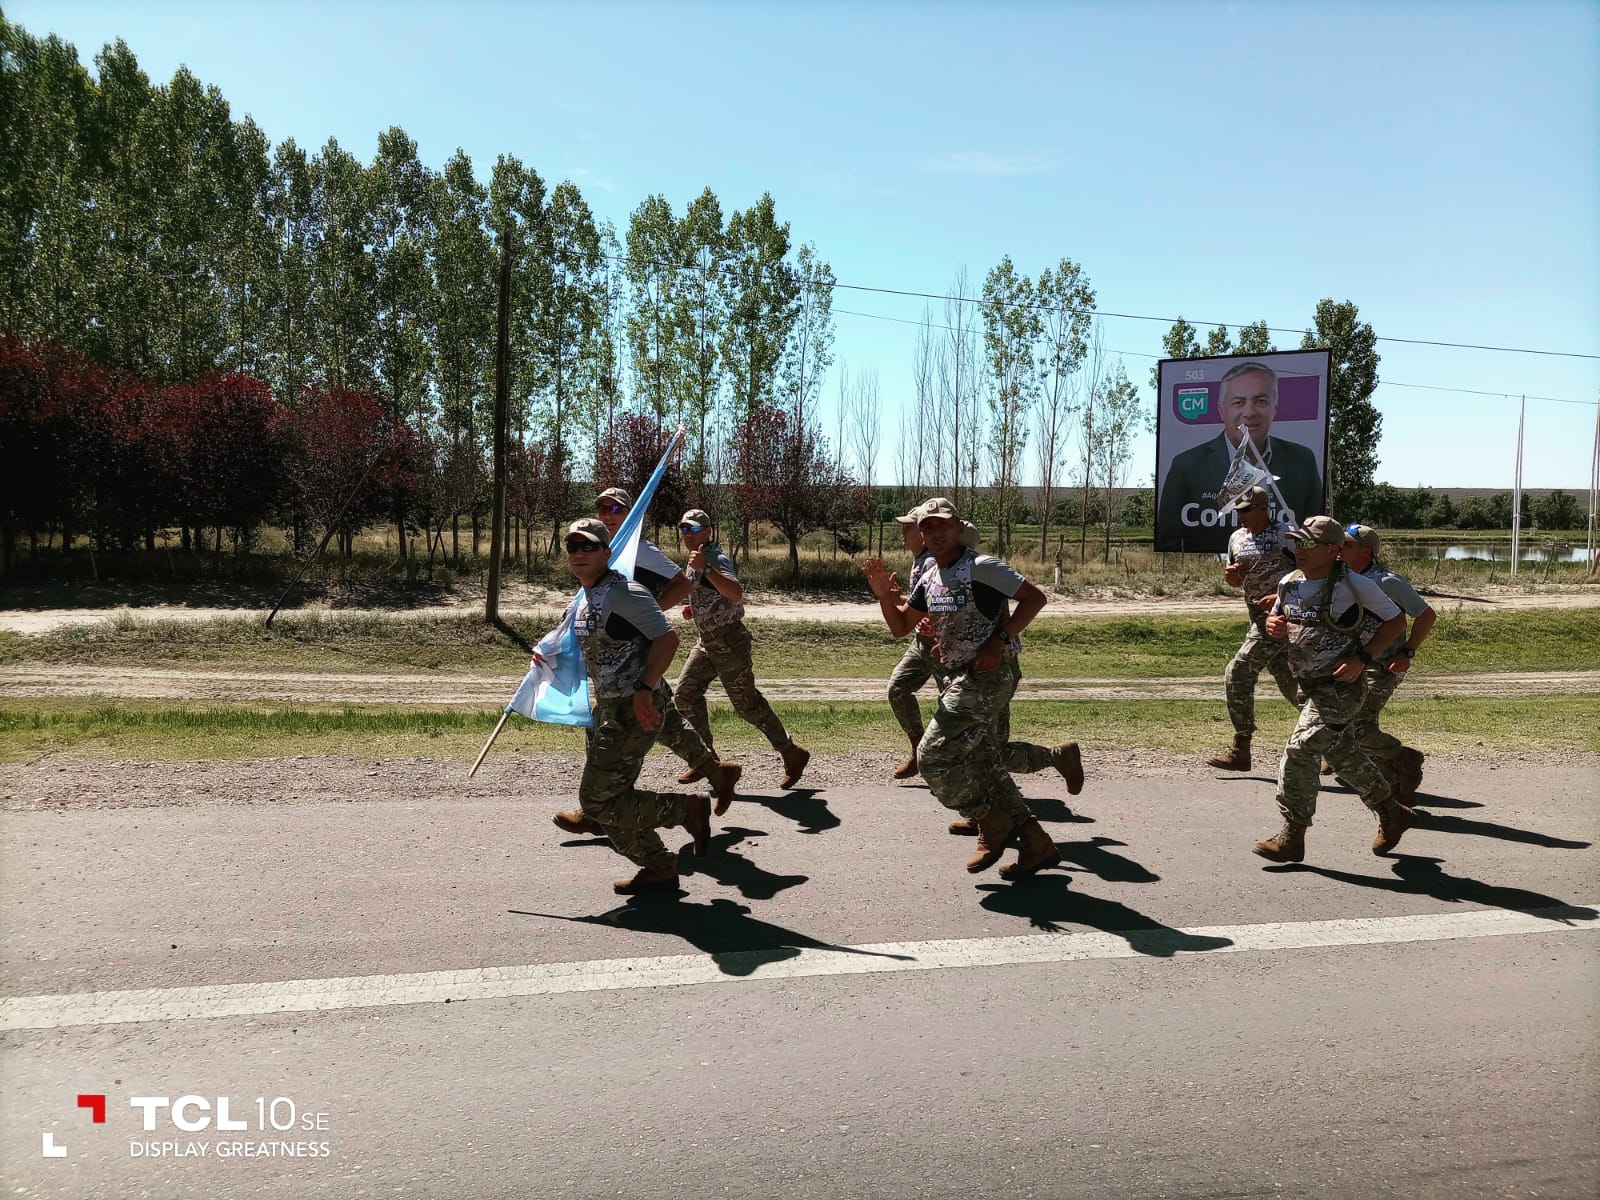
(1492, 551)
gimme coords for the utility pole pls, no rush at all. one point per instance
(1516, 494)
(1594, 494)
(502, 405)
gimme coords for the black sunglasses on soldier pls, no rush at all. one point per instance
(581, 545)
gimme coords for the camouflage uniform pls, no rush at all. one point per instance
(1325, 623)
(1263, 559)
(1384, 748)
(917, 666)
(723, 652)
(616, 620)
(961, 751)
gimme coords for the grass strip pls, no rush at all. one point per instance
(154, 731)
(1054, 647)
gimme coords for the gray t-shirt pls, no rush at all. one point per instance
(653, 568)
(1398, 588)
(616, 620)
(1264, 558)
(1314, 644)
(714, 612)
(968, 603)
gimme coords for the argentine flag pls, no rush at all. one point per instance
(557, 691)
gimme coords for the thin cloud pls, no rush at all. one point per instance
(585, 177)
(987, 165)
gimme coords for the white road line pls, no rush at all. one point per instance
(679, 970)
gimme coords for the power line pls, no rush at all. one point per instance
(1098, 312)
(1431, 387)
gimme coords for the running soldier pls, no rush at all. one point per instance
(658, 573)
(967, 596)
(917, 665)
(1400, 763)
(717, 609)
(662, 579)
(627, 647)
(1258, 557)
(1322, 609)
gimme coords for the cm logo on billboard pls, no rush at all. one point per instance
(1192, 402)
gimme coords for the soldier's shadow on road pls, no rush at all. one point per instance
(1049, 904)
(722, 928)
(804, 806)
(1056, 810)
(1107, 864)
(1421, 875)
(735, 870)
(1449, 823)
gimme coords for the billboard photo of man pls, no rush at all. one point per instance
(1278, 401)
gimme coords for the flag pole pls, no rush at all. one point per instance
(490, 742)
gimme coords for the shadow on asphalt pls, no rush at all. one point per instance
(1108, 865)
(1421, 875)
(735, 870)
(1443, 801)
(1052, 808)
(1049, 904)
(1448, 823)
(737, 942)
(804, 806)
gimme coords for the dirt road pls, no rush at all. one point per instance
(483, 691)
(534, 601)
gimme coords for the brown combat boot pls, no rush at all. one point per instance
(692, 775)
(794, 764)
(574, 821)
(1393, 820)
(966, 827)
(730, 779)
(648, 879)
(1236, 758)
(697, 823)
(1038, 852)
(994, 831)
(1288, 845)
(1066, 759)
(907, 769)
(1411, 764)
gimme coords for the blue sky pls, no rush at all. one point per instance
(1437, 163)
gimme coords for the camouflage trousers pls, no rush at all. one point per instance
(1383, 748)
(1259, 652)
(917, 666)
(614, 754)
(961, 753)
(1326, 729)
(1019, 758)
(725, 655)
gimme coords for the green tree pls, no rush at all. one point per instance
(1556, 510)
(763, 301)
(288, 340)
(1012, 328)
(1120, 416)
(1066, 307)
(344, 311)
(1355, 424)
(654, 259)
(702, 305)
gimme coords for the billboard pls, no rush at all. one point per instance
(1204, 409)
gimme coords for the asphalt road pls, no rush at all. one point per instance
(833, 1007)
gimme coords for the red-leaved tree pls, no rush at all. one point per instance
(337, 438)
(627, 455)
(786, 476)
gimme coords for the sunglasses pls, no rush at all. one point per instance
(581, 545)
(690, 526)
(611, 508)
